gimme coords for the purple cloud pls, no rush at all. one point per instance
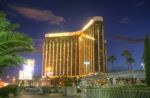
(38, 15)
(127, 39)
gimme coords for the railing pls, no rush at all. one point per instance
(114, 93)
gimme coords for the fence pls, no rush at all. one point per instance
(114, 93)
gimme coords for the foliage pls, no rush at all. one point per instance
(5, 91)
(68, 81)
(111, 59)
(126, 54)
(129, 59)
(147, 59)
(5, 24)
(10, 60)
(12, 43)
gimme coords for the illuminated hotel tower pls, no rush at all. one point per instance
(75, 53)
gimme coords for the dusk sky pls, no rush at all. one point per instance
(125, 23)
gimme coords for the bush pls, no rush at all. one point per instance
(5, 91)
(68, 81)
(147, 59)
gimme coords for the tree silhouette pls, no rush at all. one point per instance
(111, 59)
(129, 59)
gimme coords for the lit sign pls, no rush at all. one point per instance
(28, 69)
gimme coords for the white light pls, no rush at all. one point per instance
(86, 26)
(5, 84)
(62, 34)
(142, 64)
(49, 73)
(86, 62)
(28, 69)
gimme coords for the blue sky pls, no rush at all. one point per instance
(125, 23)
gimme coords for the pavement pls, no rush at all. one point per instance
(47, 96)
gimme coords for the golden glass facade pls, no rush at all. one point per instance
(75, 53)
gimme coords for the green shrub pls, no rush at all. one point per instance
(14, 89)
(68, 81)
(147, 59)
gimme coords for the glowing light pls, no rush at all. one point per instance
(86, 62)
(143, 65)
(62, 34)
(89, 37)
(25, 75)
(86, 36)
(49, 69)
(86, 26)
(5, 84)
(28, 69)
(49, 73)
(80, 38)
(97, 18)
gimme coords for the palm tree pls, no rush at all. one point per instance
(111, 59)
(12, 43)
(126, 54)
(129, 59)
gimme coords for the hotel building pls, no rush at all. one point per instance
(77, 53)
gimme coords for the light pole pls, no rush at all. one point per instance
(86, 66)
(143, 65)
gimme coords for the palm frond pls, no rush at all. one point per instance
(14, 42)
(7, 36)
(10, 60)
(126, 54)
(5, 24)
(16, 50)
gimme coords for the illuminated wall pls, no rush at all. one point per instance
(28, 70)
(75, 53)
(96, 30)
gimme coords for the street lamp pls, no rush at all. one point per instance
(143, 65)
(86, 65)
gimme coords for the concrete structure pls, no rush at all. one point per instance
(75, 54)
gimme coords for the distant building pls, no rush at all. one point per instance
(75, 54)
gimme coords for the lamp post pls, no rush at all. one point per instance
(86, 66)
(143, 65)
